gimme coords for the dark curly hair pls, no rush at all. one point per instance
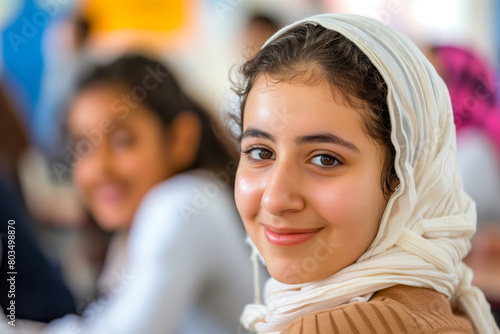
(310, 54)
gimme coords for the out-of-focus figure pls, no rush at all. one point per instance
(13, 138)
(150, 168)
(473, 87)
(40, 293)
(258, 29)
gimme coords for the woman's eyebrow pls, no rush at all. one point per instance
(325, 138)
(256, 133)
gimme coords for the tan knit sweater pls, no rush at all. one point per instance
(396, 310)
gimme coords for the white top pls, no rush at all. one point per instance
(188, 269)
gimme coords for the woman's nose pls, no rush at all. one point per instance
(282, 193)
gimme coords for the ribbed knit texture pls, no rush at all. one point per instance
(396, 310)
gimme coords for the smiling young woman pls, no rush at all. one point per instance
(301, 182)
(111, 175)
(348, 185)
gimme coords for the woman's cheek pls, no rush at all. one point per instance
(334, 195)
(83, 178)
(340, 202)
(245, 194)
(134, 167)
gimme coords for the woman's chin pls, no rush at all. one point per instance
(292, 272)
(112, 222)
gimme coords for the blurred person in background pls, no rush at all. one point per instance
(37, 57)
(258, 29)
(13, 139)
(473, 87)
(41, 294)
(150, 168)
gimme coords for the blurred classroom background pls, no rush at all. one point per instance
(45, 44)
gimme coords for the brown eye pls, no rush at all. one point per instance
(260, 154)
(325, 160)
(265, 154)
(121, 140)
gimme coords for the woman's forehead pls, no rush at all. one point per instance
(298, 110)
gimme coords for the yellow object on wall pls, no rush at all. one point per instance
(156, 15)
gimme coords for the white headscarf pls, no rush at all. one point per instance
(428, 221)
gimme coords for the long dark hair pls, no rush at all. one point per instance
(162, 95)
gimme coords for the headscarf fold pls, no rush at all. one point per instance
(428, 222)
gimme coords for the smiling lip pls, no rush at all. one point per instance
(109, 194)
(288, 237)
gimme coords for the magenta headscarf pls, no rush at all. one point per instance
(474, 91)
